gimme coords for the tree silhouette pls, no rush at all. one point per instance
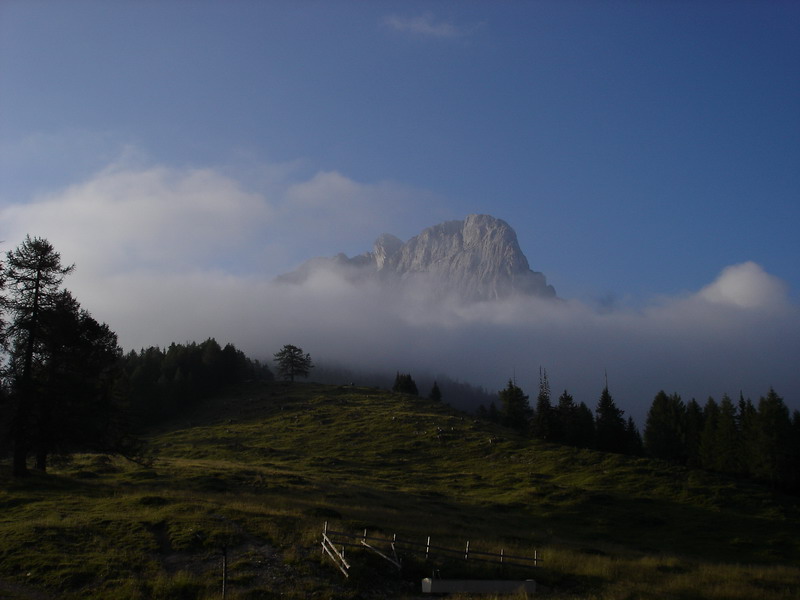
(609, 425)
(33, 275)
(292, 362)
(515, 410)
(404, 384)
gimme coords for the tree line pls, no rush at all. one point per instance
(65, 385)
(760, 442)
(160, 383)
(565, 421)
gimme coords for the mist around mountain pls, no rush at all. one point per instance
(460, 298)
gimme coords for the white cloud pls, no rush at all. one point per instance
(183, 254)
(424, 25)
(746, 285)
(122, 220)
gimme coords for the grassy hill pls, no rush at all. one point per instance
(259, 470)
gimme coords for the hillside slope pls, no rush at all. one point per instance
(259, 470)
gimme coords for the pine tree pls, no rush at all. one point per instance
(727, 441)
(542, 422)
(633, 439)
(747, 426)
(772, 460)
(609, 425)
(584, 432)
(404, 384)
(436, 393)
(693, 433)
(708, 438)
(664, 432)
(565, 420)
(515, 410)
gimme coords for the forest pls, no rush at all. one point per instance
(67, 386)
(755, 441)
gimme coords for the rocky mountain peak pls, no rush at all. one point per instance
(476, 259)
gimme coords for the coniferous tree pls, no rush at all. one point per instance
(292, 362)
(515, 410)
(708, 438)
(584, 433)
(693, 433)
(609, 425)
(565, 420)
(542, 423)
(33, 275)
(748, 439)
(772, 460)
(436, 393)
(405, 384)
(728, 457)
(665, 428)
(633, 439)
(794, 454)
(78, 406)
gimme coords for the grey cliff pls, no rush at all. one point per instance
(476, 259)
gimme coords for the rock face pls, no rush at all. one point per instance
(476, 259)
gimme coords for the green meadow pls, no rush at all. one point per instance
(256, 472)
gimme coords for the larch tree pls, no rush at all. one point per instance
(33, 274)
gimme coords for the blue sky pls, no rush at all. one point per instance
(637, 148)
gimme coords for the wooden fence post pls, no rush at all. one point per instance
(224, 571)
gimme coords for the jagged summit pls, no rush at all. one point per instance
(476, 259)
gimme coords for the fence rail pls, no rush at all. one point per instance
(330, 539)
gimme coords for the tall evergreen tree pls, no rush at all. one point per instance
(665, 428)
(694, 433)
(772, 462)
(33, 274)
(633, 439)
(609, 424)
(728, 457)
(542, 423)
(515, 411)
(708, 438)
(564, 422)
(748, 440)
(436, 393)
(583, 433)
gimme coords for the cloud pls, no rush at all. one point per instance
(746, 285)
(424, 25)
(130, 217)
(166, 254)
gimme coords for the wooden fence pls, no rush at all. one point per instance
(334, 544)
